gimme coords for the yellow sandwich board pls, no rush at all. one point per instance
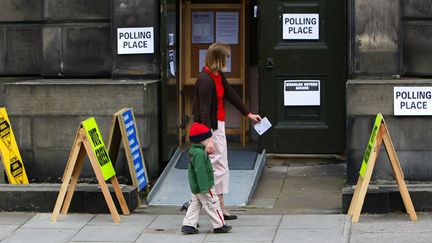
(379, 134)
(10, 153)
(88, 140)
(124, 128)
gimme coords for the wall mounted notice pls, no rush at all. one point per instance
(300, 26)
(202, 27)
(135, 40)
(413, 101)
(301, 92)
(227, 27)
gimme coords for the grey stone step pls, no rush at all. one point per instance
(87, 198)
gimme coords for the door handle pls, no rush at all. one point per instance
(270, 64)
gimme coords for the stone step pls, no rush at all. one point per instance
(387, 198)
(88, 198)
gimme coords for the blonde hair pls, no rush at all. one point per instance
(217, 54)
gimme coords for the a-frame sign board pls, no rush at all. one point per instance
(124, 128)
(379, 134)
(88, 140)
(9, 152)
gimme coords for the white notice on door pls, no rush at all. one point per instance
(302, 92)
(300, 26)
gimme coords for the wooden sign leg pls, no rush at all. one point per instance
(76, 139)
(119, 195)
(355, 196)
(397, 170)
(365, 184)
(105, 191)
(66, 179)
(75, 174)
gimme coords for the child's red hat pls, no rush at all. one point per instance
(199, 132)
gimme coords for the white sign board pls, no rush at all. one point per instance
(202, 27)
(412, 101)
(227, 27)
(302, 93)
(300, 26)
(135, 40)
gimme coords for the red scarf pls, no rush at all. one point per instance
(219, 93)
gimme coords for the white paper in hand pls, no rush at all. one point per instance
(262, 126)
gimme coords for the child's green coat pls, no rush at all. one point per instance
(201, 175)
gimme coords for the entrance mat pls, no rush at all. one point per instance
(237, 159)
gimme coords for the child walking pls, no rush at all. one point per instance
(201, 182)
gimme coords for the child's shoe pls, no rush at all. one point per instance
(185, 206)
(189, 229)
(224, 229)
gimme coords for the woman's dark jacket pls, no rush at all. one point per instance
(205, 99)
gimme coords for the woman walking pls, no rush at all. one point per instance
(211, 90)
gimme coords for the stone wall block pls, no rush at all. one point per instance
(417, 47)
(20, 10)
(77, 97)
(22, 130)
(87, 50)
(416, 8)
(23, 50)
(376, 40)
(52, 51)
(2, 49)
(61, 10)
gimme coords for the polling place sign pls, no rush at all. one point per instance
(135, 40)
(413, 101)
(300, 26)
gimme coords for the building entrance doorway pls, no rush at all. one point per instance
(190, 28)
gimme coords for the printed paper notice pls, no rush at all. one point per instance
(262, 126)
(227, 27)
(202, 57)
(202, 27)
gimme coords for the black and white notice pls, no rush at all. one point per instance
(135, 40)
(300, 26)
(302, 93)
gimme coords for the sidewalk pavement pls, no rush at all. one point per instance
(294, 203)
(139, 227)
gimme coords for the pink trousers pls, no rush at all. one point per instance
(219, 159)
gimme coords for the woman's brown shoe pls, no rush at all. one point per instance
(230, 216)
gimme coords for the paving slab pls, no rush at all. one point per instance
(15, 218)
(313, 221)
(170, 238)
(41, 235)
(391, 223)
(108, 233)
(168, 222)
(392, 238)
(101, 242)
(311, 235)
(6, 230)
(245, 234)
(255, 220)
(126, 220)
(69, 221)
(311, 228)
